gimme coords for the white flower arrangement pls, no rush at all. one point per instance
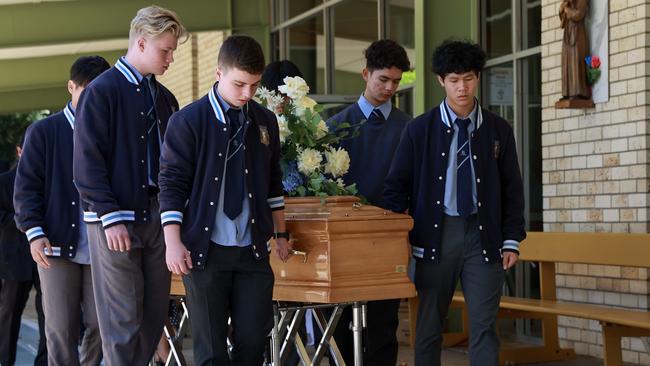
(311, 165)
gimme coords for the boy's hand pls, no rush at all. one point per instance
(282, 248)
(178, 258)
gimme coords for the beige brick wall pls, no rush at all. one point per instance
(193, 71)
(595, 169)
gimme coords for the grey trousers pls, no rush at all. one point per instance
(67, 294)
(131, 291)
(461, 257)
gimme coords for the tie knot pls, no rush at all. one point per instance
(377, 114)
(463, 122)
(233, 116)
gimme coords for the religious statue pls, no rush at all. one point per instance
(574, 49)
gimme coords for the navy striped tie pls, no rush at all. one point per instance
(234, 190)
(377, 115)
(464, 199)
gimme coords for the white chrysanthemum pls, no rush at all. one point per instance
(338, 162)
(283, 125)
(263, 93)
(321, 129)
(274, 102)
(309, 160)
(294, 87)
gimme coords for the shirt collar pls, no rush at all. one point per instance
(449, 117)
(367, 108)
(130, 73)
(68, 111)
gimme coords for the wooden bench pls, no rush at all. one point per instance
(627, 250)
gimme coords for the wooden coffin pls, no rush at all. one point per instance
(354, 253)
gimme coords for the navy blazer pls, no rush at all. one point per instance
(416, 182)
(192, 165)
(45, 197)
(110, 146)
(15, 259)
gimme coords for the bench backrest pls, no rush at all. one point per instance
(632, 250)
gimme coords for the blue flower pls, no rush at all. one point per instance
(292, 177)
(588, 60)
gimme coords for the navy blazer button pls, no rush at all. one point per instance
(443, 154)
(205, 228)
(211, 203)
(435, 225)
(440, 177)
(73, 225)
(474, 157)
(198, 263)
(200, 255)
(71, 247)
(138, 90)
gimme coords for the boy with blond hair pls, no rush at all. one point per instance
(122, 117)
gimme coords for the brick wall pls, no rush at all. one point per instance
(193, 71)
(595, 169)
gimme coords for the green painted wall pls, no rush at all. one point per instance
(436, 21)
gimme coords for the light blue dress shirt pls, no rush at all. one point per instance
(451, 208)
(367, 108)
(229, 232)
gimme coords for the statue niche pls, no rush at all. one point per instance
(575, 91)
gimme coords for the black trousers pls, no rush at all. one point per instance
(233, 285)
(380, 345)
(13, 298)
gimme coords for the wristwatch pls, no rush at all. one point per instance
(282, 234)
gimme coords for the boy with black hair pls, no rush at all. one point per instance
(221, 200)
(17, 275)
(371, 153)
(120, 126)
(48, 211)
(456, 173)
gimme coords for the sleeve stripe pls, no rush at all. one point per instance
(90, 216)
(275, 202)
(171, 216)
(511, 244)
(116, 216)
(34, 233)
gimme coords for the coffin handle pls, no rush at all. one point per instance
(299, 252)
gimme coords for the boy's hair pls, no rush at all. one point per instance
(384, 54)
(86, 68)
(276, 71)
(459, 57)
(243, 53)
(153, 21)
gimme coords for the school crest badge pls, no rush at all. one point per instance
(264, 135)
